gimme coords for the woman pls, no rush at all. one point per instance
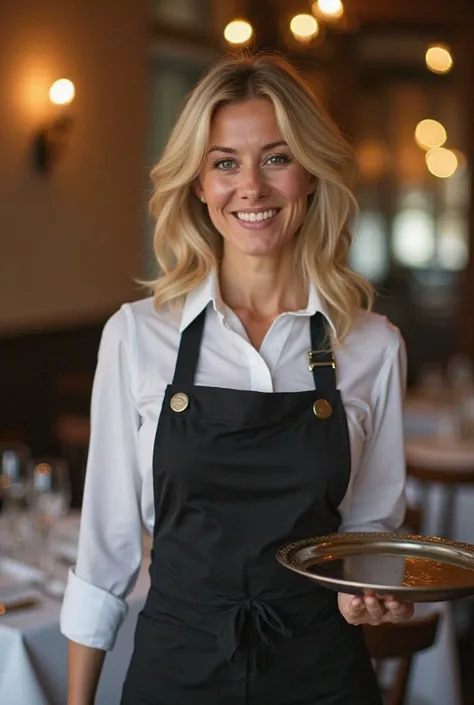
(209, 428)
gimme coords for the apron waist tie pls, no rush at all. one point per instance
(253, 613)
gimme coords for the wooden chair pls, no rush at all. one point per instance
(402, 641)
(450, 478)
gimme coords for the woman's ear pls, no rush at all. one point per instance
(198, 191)
(312, 183)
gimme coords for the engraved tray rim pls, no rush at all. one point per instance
(287, 555)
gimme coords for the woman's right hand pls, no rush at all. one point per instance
(373, 610)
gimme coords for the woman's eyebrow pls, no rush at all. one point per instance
(229, 150)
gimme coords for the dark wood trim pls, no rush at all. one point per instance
(31, 365)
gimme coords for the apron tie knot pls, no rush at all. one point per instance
(253, 614)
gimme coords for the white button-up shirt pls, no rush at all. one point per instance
(137, 357)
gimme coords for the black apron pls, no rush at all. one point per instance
(237, 473)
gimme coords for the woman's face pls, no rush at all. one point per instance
(255, 190)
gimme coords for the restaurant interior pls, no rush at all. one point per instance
(89, 94)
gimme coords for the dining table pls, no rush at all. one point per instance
(33, 652)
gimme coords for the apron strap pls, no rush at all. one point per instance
(188, 353)
(321, 358)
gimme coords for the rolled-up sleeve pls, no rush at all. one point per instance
(376, 499)
(110, 550)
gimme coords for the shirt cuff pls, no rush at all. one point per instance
(90, 615)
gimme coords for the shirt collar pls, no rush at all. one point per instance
(197, 300)
(208, 291)
(315, 304)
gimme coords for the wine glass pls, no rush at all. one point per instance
(14, 479)
(50, 498)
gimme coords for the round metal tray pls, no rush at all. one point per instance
(411, 568)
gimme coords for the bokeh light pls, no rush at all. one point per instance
(304, 27)
(441, 162)
(62, 92)
(238, 32)
(331, 9)
(438, 58)
(430, 133)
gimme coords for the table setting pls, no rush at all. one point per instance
(38, 545)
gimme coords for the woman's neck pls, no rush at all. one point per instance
(261, 286)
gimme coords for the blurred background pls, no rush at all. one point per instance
(89, 93)
(396, 75)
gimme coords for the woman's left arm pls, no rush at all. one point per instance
(377, 495)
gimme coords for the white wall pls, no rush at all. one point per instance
(70, 242)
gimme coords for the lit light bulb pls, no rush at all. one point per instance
(238, 32)
(304, 27)
(62, 92)
(438, 59)
(332, 9)
(430, 133)
(441, 162)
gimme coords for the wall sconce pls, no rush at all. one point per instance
(50, 139)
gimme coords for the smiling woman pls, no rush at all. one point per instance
(210, 428)
(253, 139)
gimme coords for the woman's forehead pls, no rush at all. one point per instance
(250, 120)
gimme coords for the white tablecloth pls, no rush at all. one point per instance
(33, 652)
(33, 657)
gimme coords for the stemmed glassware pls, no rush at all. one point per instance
(15, 459)
(50, 497)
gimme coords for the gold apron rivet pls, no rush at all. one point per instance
(322, 408)
(179, 402)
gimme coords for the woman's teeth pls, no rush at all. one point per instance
(256, 217)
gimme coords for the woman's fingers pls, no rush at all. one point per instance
(352, 608)
(356, 608)
(373, 610)
(399, 611)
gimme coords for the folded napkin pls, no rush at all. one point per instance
(17, 578)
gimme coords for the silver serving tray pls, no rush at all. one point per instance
(411, 568)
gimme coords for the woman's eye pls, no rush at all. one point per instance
(224, 164)
(278, 159)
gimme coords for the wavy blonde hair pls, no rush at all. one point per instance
(188, 247)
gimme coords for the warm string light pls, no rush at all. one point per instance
(438, 58)
(304, 27)
(330, 9)
(238, 32)
(430, 133)
(441, 162)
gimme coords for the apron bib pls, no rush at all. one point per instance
(236, 474)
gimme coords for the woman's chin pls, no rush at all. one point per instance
(259, 246)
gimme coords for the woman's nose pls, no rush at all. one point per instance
(253, 185)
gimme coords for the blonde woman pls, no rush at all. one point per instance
(209, 428)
